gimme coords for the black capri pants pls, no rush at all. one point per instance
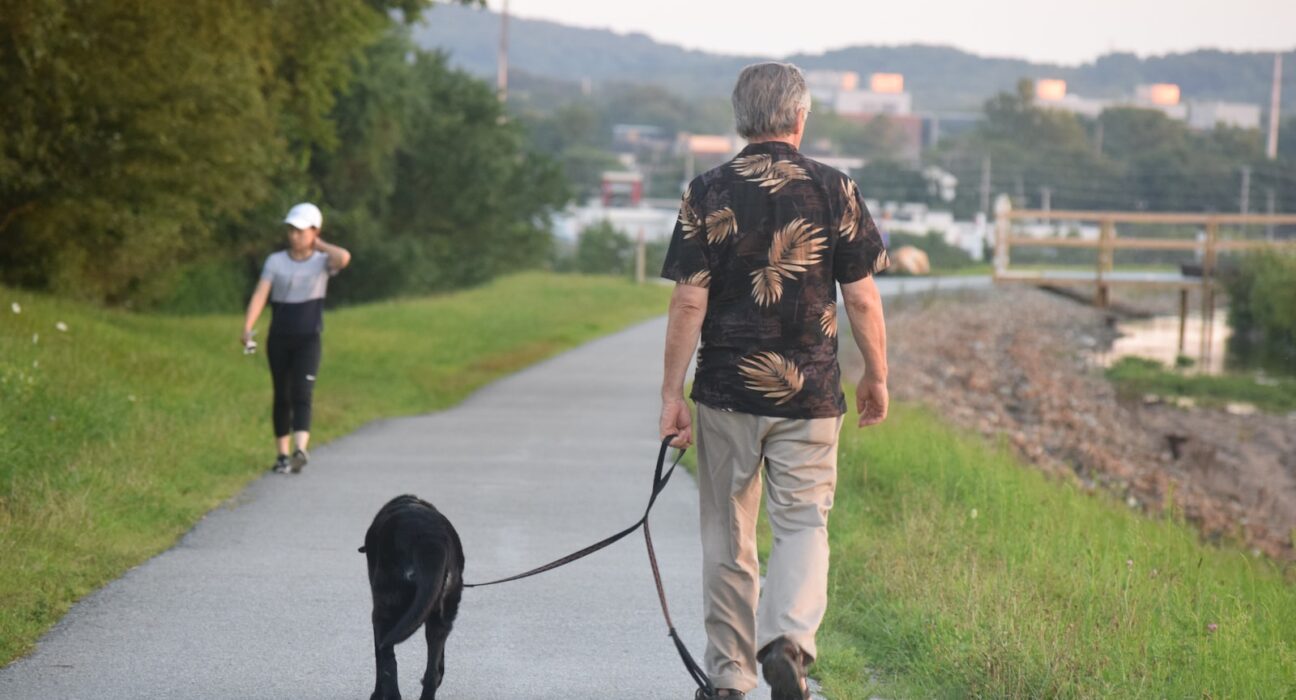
(294, 360)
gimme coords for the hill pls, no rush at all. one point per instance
(941, 78)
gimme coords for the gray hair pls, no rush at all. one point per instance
(766, 99)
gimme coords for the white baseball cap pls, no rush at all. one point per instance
(304, 215)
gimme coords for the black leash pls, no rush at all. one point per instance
(660, 479)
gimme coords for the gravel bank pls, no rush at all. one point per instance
(1017, 365)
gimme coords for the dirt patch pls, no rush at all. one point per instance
(1016, 364)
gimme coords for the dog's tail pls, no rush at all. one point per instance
(430, 577)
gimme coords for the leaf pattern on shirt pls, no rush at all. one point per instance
(688, 220)
(828, 320)
(793, 248)
(771, 174)
(849, 225)
(720, 225)
(882, 262)
(753, 166)
(701, 278)
(773, 375)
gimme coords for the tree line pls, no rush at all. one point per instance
(149, 150)
(1124, 159)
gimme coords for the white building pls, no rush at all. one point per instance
(1163, 97)
(825, 84)
(656, 223)
(867, 102)
(1206, 115)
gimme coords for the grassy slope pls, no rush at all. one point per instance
(958, 573)
(1136, 376)
(120, 433)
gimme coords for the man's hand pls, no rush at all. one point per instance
(871, 400)
(676, 420)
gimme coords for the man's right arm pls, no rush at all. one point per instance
(688, 307)
(868, 326)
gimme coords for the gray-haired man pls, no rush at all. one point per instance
(759, 248)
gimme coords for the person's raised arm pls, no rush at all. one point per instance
(255, 306)
(868, 326)
(338, 257)
(683, 327)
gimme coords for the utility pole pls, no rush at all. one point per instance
(1275, 95)
(501, 75)
(1245, 198)
(985, 185)
(1046, 198)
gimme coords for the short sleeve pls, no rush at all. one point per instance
(860, 251)
(267, 270)
(322, 261)
(686, 258)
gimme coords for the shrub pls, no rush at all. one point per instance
(604, 250)
(1262, 307)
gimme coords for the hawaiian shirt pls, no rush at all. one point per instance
(769, 234)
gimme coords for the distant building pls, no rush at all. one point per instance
(1157, 94)
(1052, 92)
(705, 151)
(1208, 115)
(825, 84)
(870, 103)
(630, 138)
(621, 189)
(846, 164)
(942, 125)
(1163, 97)
(656, 224)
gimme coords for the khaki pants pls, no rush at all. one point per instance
(800, 460)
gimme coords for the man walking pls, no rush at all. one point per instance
(759, 247)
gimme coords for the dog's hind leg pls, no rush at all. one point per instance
(437, 630)
(385, 685)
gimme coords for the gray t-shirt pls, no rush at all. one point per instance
(297, 290)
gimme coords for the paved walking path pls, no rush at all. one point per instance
(268, 598)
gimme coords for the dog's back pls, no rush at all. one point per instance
(416, 575)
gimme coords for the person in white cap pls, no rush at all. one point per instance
(294, 281)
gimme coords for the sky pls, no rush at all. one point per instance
(1069, 32)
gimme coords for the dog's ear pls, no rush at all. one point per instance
(361, 550)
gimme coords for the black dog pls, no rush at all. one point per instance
(416, 575)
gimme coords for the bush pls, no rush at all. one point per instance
(217, 286)
(604, 250)
(1262, 307)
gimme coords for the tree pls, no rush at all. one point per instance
(138, 136)
(432, 190)
(604, 250)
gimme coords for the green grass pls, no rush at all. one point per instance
(957, 572)
(119, 433)
(1135, 376)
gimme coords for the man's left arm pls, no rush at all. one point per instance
(688, 307)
